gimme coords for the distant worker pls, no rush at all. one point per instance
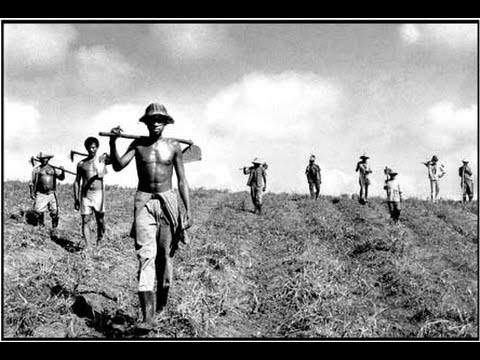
(43, 188)
(394, 194)
(89, 190)
(435, 172)
(364, 170)
(314, 178)
(466, 183)
(257, 181)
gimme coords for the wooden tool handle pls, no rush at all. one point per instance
(130, 136)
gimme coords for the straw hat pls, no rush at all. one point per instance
(154, 110)
(43, 155)
(257, 161)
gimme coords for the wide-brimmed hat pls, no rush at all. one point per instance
(434, 158)
(43, 155)
(154, 110)
(465, 160)
(364, 156)
(257, 161)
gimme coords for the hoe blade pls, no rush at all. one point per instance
(192, 153)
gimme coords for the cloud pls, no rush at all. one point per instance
(37, 46)
(279, 117)
(21, 133)
(450, 127)
(21, 122)
(193, 41)
(286, 105)
(410, 33)
(103, 71)
(455, 36)
(337, 182)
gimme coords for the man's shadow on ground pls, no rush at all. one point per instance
(66, 241)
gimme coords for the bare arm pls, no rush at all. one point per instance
(33, 184)
(182, 182)
(118, 163)
(76, 188)
(264, 174)
(60, 173)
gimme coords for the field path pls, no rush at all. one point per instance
(243, 257)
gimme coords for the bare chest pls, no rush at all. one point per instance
(160, 153)
(87, 168)
(46, 173)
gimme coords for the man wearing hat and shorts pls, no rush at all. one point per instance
(89, 191)
(314, 178)
(157, 219)
(394, 194)
(43, 188)
(257, 181)
(364, 170)
(466, 183)
(435, 173)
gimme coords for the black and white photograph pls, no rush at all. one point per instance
(221, 179)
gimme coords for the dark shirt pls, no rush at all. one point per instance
(313, 172)
(467, 175)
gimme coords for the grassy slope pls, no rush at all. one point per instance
(330, 268)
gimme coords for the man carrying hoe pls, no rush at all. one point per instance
(257, 181)
(157, 220)
(89, 191)
(43, 188)
(435, 172)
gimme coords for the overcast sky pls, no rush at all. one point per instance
(399, 92)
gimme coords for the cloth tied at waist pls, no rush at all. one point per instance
(169, 205)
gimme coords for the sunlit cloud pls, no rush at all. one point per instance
(273, 116)
(455, 36)
(21, 121)
(273, 106)
(21, 131)
(451, 126)
(410, 33)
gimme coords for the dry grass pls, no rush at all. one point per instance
(325, 269)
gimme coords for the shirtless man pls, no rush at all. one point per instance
(157, 220)
(43, 188)
(89, 191)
